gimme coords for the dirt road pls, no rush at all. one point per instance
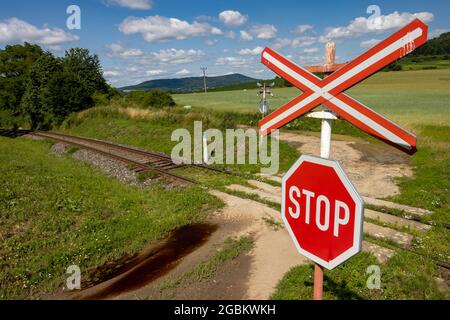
(371, 167)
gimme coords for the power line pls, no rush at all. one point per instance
(204, 76)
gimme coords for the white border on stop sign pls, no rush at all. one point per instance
(359, 211)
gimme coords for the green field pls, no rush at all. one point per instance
(410, 98)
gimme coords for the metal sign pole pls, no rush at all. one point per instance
(325, 147)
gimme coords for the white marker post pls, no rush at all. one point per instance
(327, 117)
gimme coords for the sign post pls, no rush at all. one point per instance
(321, 209)
(325, 144)
(325, 151)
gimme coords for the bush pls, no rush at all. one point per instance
(151, 99)
(100, 99)
(394, 66)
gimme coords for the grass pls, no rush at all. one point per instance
(425, 62)
(271, 222)
(153, 130)
(400, 279)
(56, 211)
(231, 249)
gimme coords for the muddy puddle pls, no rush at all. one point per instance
(148, 266)
(381, 154)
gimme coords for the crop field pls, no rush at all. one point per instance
(411, 98)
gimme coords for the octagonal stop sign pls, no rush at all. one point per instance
(322, 211)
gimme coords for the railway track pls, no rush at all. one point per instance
(138, 160)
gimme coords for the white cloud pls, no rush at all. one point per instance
(281, 43)
(183, 72)
(14, 30)
(363, 25)
(157, 72)
(132, 4)
(112, 73)
(230, 35)
(369, 43)
(251, 52)
(174, 56)
(231, 61)
(232, 18)
(211, 42)
(204, 18)
(264, 31)
(304, 41)
(437, 32)
(158, 28)
(118, 50)
(245, 36)
(311, 50)
(302, 28)
(307, 60)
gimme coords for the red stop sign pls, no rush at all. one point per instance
(322, 211)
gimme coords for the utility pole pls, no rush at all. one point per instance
(204, 76)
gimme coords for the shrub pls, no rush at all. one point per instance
(151, 99)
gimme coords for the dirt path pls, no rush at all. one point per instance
(371, 167)
(255, 274)
(274, 253)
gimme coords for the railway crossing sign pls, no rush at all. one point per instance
(329, 91)
(324, 220)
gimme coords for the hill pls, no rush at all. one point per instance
(191, 84)
(436, 46)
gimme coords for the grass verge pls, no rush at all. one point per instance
(404, 276)
(56, 212)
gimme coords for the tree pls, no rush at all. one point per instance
(45, 88)
(80, 63)
(436, 46)
(42, 71)
(15, 63)
(63, 94)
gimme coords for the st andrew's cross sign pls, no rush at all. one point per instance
(329, 91)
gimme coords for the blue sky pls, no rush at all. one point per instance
(140, 40)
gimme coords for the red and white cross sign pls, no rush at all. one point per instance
(329, 91)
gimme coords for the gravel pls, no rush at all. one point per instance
(112, 167)
(59, 149)
(32, 137)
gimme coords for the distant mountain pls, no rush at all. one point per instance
(191, 84)
(435, 46)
